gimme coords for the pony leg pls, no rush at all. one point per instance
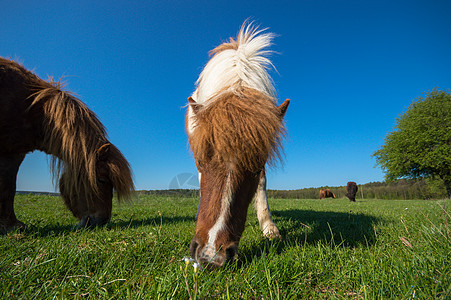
(267, 225)
(9, 166)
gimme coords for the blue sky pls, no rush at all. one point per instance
(349, 67)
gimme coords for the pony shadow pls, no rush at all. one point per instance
(120, 224)
(153, 221)
(44, 230)
(308, 227)
(342, 228)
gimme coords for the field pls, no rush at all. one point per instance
(332, 249)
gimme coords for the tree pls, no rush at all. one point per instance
(420, 144)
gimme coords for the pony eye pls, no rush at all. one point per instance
(256, 174)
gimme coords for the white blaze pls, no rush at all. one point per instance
(210, 248)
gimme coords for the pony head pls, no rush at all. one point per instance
(89, 194)
(87, 165)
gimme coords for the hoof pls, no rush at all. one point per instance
(271, 232)
(17, 225)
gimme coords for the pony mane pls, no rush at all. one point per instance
(239, 63)
(73, 135)
(244, 127)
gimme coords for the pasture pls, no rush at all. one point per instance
(331, 249)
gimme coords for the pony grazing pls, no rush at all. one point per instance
(326, 193)
(234, 128)
(351, 190)
(38, 115)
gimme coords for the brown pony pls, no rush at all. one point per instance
(38, 115)
(351, 190)
(234, 128)
(326, 193)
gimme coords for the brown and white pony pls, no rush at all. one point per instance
(234, 128)
(38, 115)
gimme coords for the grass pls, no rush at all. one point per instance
(332, 249)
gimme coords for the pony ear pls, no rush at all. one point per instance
(103, 151)
(283, 108)
(194, 105)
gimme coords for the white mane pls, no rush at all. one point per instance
(243, 62)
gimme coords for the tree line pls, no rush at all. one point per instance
(402, 189)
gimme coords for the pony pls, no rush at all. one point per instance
(38, 115)
(351, 190)
(326, 193)
(234, 129)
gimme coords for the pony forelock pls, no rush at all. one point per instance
(243, 128)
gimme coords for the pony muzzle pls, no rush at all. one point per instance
(210, 258)
(91, 222)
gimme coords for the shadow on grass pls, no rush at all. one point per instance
(338, 229)
(347, 229)
(53, 229)
(153, 221)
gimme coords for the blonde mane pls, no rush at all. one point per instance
(239, 63)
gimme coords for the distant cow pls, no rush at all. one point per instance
(326, 193)
(351, 189)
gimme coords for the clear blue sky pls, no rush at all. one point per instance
(350, 68)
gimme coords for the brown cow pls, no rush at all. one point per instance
(326, 193)
(351, 189)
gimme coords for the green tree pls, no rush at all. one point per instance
(420, 144)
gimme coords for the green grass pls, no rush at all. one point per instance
(332, 249)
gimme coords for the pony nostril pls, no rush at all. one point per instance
(231, 253)
(211, 263)
(205, 260)
(193, 248)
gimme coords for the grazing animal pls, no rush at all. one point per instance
(326, 193)
(351, 190)
(38, 115)
(234, 128)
